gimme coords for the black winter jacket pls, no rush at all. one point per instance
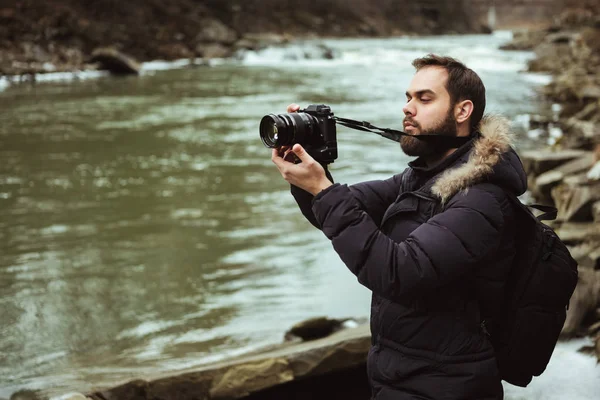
(436, 260)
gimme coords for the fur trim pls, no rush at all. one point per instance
(487, 151)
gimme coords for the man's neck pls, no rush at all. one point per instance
(432, 160)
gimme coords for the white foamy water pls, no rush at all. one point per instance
(569, 375)
(53, 77)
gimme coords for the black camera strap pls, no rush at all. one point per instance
(440, 141)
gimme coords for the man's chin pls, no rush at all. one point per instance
(414, 147)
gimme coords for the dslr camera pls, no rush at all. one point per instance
(313, 128)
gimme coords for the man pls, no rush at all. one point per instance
(434, 244)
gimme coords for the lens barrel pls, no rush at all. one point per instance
(286, 129)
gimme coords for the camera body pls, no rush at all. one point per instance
(322, 145)
(313, 128)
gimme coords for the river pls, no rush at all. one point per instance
(144, 228)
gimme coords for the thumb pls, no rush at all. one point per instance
(300, 152)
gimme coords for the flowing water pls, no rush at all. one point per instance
(144, 228)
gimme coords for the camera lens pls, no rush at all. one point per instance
(286, 129)
(270, 126)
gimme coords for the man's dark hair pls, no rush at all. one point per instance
(463, 83)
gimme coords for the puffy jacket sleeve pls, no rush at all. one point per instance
(373, 197)
(439, 251)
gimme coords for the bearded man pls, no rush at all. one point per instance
(434, 243)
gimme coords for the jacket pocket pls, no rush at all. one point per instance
(406, 204)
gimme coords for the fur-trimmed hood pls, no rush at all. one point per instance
(491, 159)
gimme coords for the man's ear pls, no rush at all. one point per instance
(463, 110)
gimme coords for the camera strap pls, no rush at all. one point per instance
(440, 141)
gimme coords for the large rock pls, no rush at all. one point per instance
(549, 179)
(72, 396)
(596, 211)
(213, 50)
(588, 112)
(578, 232)
(597, 346)
(576, 17)
(579, 133)
(27, 394)
(594, 172)
(583, 302)
(574, 83)
(114, 61)
(241, 380)
(593, 258)
(214, 31)
(551, 57)
(537, 162)
(314, 328)
(174, 51)
(587, 255)
(574, 198)
(272, 370)
(525, 40)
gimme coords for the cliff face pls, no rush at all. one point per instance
(511, 14)
(35, 34)
(568, 175)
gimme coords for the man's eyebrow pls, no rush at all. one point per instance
(421, 92)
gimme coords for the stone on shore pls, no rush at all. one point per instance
(551, 57)
(240, 381)
(317, 363)
(574, 198)
(213, 50)
(587, 254)
(72, 396)
(578, 232)
(596, 211)
(525, 40)
(214, 31)
(26, 394)
(314, 328)
(537, 162)
(549, 179)
(579, 133)
(594, 172)
(114, 61)
(583, 302)
(594, 328)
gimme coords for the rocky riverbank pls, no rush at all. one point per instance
(328, 364)
(567, 174)
(62, 35)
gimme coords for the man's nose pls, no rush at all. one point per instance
(408, 109)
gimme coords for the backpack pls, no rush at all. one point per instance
(539, 286)
(541, 281)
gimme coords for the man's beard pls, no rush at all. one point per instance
(413, 147)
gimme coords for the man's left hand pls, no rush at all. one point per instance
(308, 174)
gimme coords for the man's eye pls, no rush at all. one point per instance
(425, 100)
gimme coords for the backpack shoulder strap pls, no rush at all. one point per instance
(549, 212)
